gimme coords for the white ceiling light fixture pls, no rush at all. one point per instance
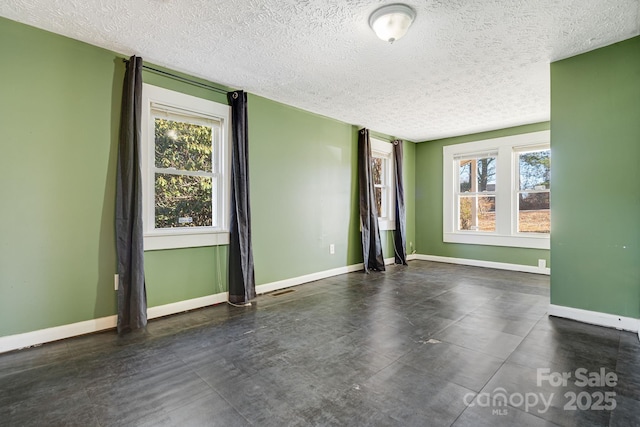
(392, 21)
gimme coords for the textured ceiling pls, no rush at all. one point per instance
(464, 66)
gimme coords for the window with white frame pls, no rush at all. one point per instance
(533, 190)
(496, 191)
(476, 192)
(382, 167)
(185, 170)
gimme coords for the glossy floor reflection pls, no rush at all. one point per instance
(428, 345)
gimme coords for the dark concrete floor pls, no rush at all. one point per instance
(427, 345)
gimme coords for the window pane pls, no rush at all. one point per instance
(467, 206)
(477, 175)
(377, 170)
(486, 213)
(183, 201)
(183, 146)
(535, 170)
(533, 213)
(486, 174)
(477, 213)
(465, 175)
(378, 192)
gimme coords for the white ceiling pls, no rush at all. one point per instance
(464, 66)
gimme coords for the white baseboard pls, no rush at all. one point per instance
(28, 339)
(190, 304)
(595, 318)
(486, 264)
(294, 281)
(41, 336)
(287, 283)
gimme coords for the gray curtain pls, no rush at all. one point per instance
(242, 283)
(371, 246)
(132, 295)
(400, 233)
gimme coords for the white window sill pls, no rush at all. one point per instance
(169, 240)
(520, 241)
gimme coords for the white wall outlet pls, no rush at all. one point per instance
(542, 263)
(332, 249)
(116, 281)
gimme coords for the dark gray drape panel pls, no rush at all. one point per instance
(371, 246)
(132, 295)
(400, 233)
(242, 283)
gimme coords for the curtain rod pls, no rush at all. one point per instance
(374, 134)
(182, 79)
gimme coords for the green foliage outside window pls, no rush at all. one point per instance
(376, 170)
(183, 200)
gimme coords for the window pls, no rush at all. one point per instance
(532, 198)
(185, 170)
(383, 171)
(496, 191)
(476, 198)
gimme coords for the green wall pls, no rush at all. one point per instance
(301, 191)
(428, 205)
(595, 140)
(59, 115)
(60, 112)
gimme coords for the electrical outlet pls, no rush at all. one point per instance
(332, 249)
(542, 263)
(116, 281)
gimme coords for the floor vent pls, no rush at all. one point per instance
(286, 291)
